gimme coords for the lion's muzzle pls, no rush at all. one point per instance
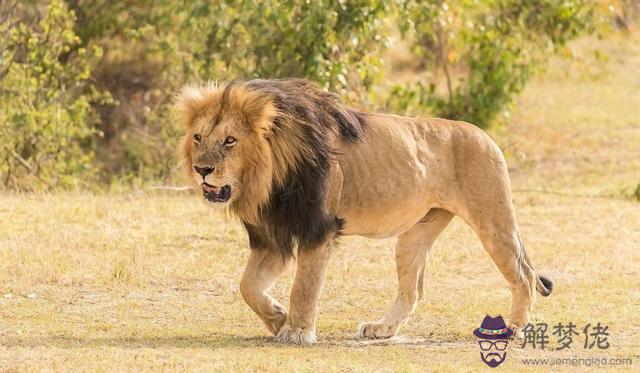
(216, 194)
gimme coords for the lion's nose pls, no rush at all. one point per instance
(203, 171)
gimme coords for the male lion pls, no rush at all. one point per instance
(298, 167)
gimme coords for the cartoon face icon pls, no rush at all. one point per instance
(493, 337)
(493, 353)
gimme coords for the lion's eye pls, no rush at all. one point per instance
(197, 138)
(230, 141)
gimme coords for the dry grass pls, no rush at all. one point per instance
(150, 281)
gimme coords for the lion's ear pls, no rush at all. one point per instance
(257, 109)
(193, 99)
(263, 115)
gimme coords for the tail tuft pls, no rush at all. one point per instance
(544, 286)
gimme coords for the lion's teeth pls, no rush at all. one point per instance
(209, 188)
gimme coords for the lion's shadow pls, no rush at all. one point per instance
(156, 342)
(198, 342)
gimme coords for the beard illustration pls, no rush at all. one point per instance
(492, 359)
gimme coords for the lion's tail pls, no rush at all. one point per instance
(544, 285)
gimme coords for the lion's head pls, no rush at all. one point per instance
(264, 149)
(225, 150)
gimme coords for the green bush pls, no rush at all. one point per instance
(335, 43)
(486, 51)
(46, 122)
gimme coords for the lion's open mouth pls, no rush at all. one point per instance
(216, 194)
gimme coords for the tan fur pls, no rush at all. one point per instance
(411, 256)
(407, 178)
(300, 325)
(263, 269)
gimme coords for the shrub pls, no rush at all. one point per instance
(486, 51)
(45, 124)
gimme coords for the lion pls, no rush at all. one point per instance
(298, 167)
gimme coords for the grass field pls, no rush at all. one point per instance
(149, 280)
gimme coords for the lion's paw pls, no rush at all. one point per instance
(517, 331)
(294, 335)
(376, 330)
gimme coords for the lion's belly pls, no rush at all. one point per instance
(379, 224)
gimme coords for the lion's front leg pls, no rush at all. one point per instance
(300, 327)
(263, 269)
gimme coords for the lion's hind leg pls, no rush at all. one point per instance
(496, 227)
(411, 254)
(506, 251)
(482, 197)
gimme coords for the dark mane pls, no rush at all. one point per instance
(304, 102)
(312, 122)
